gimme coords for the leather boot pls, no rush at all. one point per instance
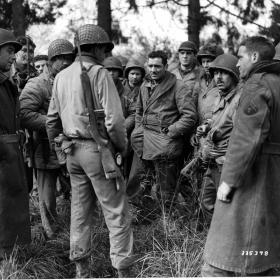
(82, 268)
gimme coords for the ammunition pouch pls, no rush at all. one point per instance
(63, 146)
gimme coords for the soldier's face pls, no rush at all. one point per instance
(39, 65)
(156, 68)
(224, 81)
(22, 57)
(245, 61)
(205, 62)
(115, 73)
(7, 57)
(134, 77)
(186, 58)
(60, 62)
(100, 52)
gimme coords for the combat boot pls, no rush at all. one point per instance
(82, 268)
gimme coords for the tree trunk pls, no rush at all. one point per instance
(194, 21)
(104, 17)
(18, 21)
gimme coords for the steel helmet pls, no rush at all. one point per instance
(225, 62)
(59, 47)
(113, 62)
(209, 50)
(90, 34)
(7, 37)
(134, 64)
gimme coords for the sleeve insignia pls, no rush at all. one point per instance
(251, 109)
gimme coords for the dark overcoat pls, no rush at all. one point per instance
(244, 234)
(163, 117)
(14, 208)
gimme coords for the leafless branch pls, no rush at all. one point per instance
(230, 13)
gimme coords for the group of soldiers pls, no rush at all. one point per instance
(121, 130)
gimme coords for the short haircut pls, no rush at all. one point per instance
(159, 54)
(260, 44)
(40, 57)
(23, 41)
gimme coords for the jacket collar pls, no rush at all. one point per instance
(268, 66)
(165, 84)
(168, 81)
(224, 100)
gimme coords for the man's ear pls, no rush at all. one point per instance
(255, 57)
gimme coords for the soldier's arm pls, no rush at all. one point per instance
(188, 114)
(250, 130)
(114, 119)
(31, 101)
(53, 123)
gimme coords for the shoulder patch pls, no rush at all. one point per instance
(251, 109)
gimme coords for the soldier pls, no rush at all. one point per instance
(134, 74)
(165, 112)
(244, 234)
(215, 132)
(23, 68)
(205, 93)
(34, 102)
(68, 114)
(114, 66)
(14, 209)
(187, 70)
(39, 62)
(21, 71)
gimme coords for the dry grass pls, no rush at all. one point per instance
(166, 248)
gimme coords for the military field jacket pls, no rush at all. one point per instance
(34, 103)
(221, 123)
(190, 78)
(130, 106)
(67, 111)
(163, 116)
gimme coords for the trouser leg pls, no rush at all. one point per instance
(136, 176)
(209, 190)
(84, 167)
(83, 209)
(47, 200)
(167, 172)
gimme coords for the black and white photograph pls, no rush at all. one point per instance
(139, 139)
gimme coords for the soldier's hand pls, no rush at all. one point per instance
(194, 141)
(224, 191)
(201, 130)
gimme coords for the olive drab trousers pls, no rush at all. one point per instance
(89, 184)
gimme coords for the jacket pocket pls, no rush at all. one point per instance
(160, 145)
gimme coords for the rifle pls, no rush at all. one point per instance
(97, 127)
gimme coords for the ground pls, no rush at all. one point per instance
(166, 248)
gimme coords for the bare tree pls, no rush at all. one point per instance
(104, 17)
(18, 17)
(194, 25)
